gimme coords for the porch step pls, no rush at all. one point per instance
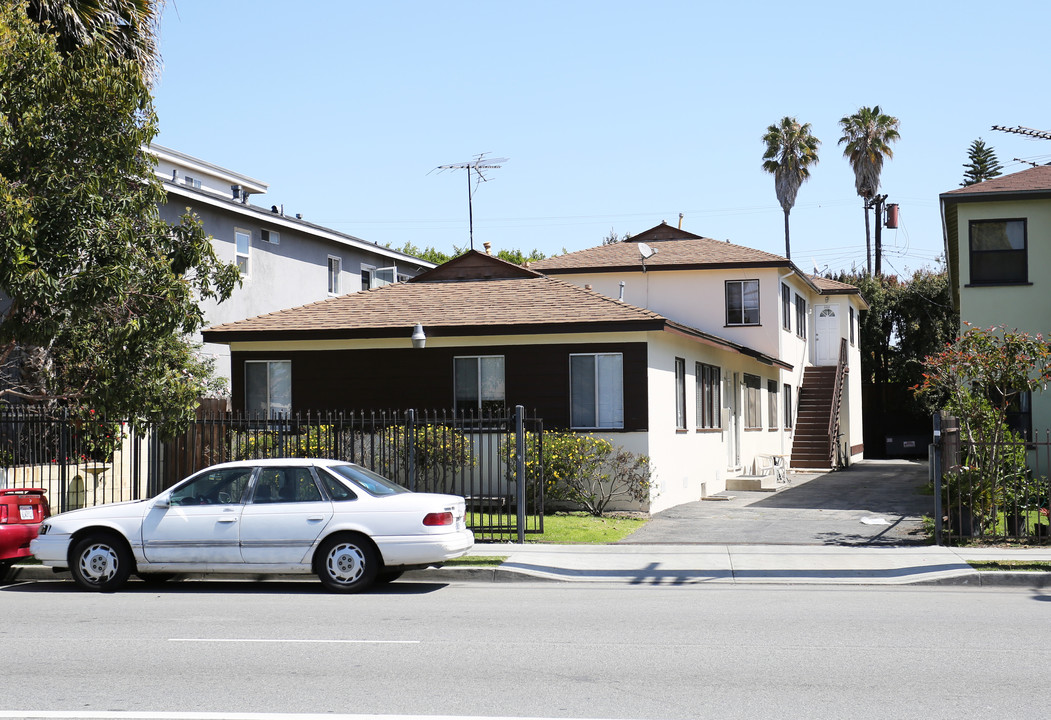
(752, 483)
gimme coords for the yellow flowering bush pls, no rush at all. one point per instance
(584, 470)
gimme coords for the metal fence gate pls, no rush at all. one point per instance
(494, 460)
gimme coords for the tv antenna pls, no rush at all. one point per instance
(1022, 130)
(477, 165)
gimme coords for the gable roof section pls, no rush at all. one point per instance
(474, 265)
(1027, 182)
(828, 286)
(690, 253)
(524, 305)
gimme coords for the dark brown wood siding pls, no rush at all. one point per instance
(536, 376)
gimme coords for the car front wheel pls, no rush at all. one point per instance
(347, 563)
(101, 563)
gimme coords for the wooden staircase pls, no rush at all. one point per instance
(810, 446)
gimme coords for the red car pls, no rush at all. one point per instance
(21, 512)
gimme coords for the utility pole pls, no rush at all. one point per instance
(876, 203)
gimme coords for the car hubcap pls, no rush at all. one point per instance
(345, 563)
(98, 563)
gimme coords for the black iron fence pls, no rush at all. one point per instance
(481, 456)
(991, 493)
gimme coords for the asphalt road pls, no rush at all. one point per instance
(525, 650)
(871, 503)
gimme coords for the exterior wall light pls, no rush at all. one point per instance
(419, 340)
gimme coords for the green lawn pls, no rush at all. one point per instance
(1000, 565)
(574, 529)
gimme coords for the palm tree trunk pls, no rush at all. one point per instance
(868, 239)
(788, 245)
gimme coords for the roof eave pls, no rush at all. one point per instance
(224, 337)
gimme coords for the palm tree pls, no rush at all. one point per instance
(791, 149)
(867, 135)
(127, 28)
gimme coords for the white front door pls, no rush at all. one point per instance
(826, 335)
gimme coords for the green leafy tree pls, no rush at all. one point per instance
(520, 258)
(791, 149)
(907, 320)
(613, 238)
(981, 164)
(429, 253)
(867, 138)
(979, 378)
(101, 292)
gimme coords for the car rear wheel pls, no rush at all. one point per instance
(388, 577)
(347, 563)
(5, 567)
(101, 563)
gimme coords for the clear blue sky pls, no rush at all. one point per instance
(615, 115)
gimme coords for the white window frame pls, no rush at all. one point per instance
(771, 404)
(272, 412)
(786, 307)
(745, 309)
(680, 393)
(335, 269)
(607, 402)
(246, 256)
(753, 404)
(708, 380)
(801, 315)
(379, 276)
(479, 390)
(270, 236)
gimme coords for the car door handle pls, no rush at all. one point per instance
(227, 519)
(315, 518)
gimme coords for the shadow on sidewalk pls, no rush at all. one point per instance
(872, 503)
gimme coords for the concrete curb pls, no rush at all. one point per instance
(1014, 579)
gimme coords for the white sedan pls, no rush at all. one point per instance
(342, 522)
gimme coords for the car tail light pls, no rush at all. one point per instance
(3, 514)
(442, 518)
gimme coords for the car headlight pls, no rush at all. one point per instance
(44, 527)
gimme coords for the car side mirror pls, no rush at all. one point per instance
(162, 502)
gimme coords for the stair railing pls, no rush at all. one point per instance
(835, 458)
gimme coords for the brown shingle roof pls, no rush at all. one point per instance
(689, 253)
(828, 286)
(1033, 180)
(533, 304)
(463, 306)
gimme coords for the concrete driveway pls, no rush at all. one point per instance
(871, 503)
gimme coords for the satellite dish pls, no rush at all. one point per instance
(646, 251)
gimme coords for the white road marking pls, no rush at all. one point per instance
(280, 640)
(127, 715)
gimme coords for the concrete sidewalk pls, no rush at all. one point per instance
(716, 564)
(755, 564)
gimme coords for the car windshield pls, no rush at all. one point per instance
(370, 482)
